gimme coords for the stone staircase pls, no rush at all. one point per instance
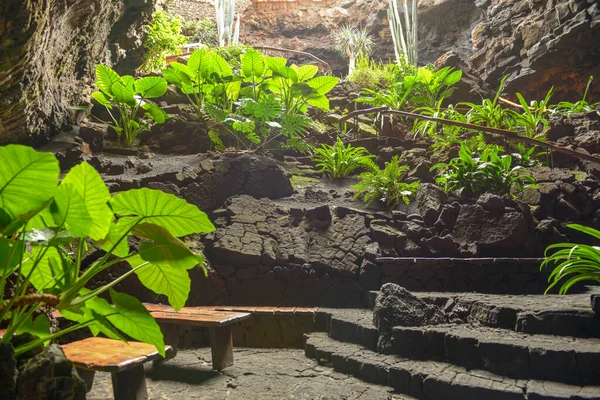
(495, 347)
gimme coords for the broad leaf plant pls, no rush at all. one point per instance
(56, 236)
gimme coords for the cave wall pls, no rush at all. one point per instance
(540, 44)
(48, 53)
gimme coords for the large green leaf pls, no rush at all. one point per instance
(106, 78)
(95, 195)
(166, 249)
(99, 325)
(130, 316)
(201, 63)
(10, 257)
(321, 102)
(252, 64)
(69, 210)
(156, 207)
(163, 279)
(220, 66)
(101, 99)
(323, 84)
(176, 77)
(28, 179)
(44, 271)
(116, 232)
(123, 95)
(151, 86)
(129, 82)
(40, 327)
(305, 72)
(155, 112)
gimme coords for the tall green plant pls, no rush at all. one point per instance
(405, 37)
(163, 38)
(47, 230)
(228, 28)
(353, 42)
(491, 172)
(533, 118)
(339, 161)
(207, 77)
(490, 112)
(573, 263)
(129, 98)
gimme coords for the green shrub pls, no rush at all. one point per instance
(203, 31)
(491, 172)
(48, 228)
(568, 108)
(385, 185)
(533, 118)
(129, 97)
(163, 38)
(371, 74)
(339, 161)
(490, 112)
(573, 262)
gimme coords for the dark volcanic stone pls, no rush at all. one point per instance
(429, 201)
(396, 306)
(8, 371)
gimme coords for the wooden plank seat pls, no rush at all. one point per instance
(219, 323)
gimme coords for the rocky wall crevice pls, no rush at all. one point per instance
(48, 54)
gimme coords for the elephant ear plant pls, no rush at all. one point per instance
(129, 97)
(55, 237)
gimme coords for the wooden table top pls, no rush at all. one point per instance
(193, 316)
(109, 355)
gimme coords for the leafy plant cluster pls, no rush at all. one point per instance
(265, 101)
(385, 185)
(339, 161)
(371, 74)
(202, 31)
(50, 234)
(163, 37)
(126, 101)
(490, 172)
(573, 263)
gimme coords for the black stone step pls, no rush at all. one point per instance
(353, 325)
(569, 315)
(504, 352)
(431, 380)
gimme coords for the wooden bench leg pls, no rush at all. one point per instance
(87, 376)
(130, 384)
(171, 334)
(221, 341)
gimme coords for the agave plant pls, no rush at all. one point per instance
(353, 42)
(573, 262)
(339, 161)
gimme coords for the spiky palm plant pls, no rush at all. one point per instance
(578, 262)
(353, 42)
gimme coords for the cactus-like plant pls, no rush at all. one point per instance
(228, 28)
(405, 36)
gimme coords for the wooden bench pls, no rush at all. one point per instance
(125, 362)
(219, 323)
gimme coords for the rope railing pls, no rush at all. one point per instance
(485, 129)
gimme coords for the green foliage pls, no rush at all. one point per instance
(371, 74)
(129, 97)
(203, 31)
(490, 112)
(573, 262)
(163, 38)
(207, 77)
(568, 108)
(533, 119)
(490, 172)
(526, 157)
(339, 161)
(385, 185)
(436, 86)
(353, 42)
(48, 228)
